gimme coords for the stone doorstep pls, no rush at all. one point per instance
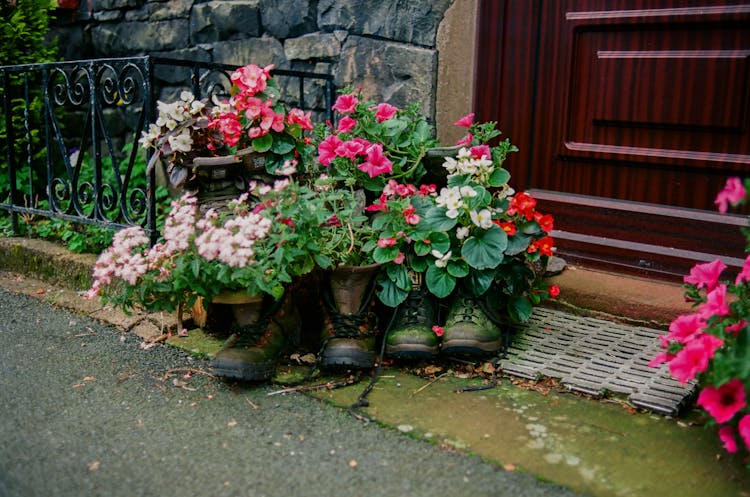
(582, 291)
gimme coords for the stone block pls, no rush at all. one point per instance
(172, 9)
(139, 37)
(389, 72)
(413, 22)
(312, 46)
(97, 5)
(260, 51)
(288, 18)
(224, 20)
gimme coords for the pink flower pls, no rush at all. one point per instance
(378, 205)
(660, 359)
(327, 149)
(466, 140)
(346, 103)
(438, 330)
(744, 428)
(723, 402)
(716, 303)
(399, 259)
(686, 327)
(350, 149)
(726, 434)
(480, 151)
(735, 328)
(410, 215)
(733, 193)
(251, 78)
(386, 242)
(745, 273)
(694, 357)
(466, 121)
(706, 275)
(253, 107)
(385, 112)
(298, 116)
(346, 124)
(376, 162)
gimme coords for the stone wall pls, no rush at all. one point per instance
(388, 48)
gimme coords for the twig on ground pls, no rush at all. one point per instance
(415, 392)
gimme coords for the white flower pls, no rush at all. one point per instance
(462, 232)
(441, 260)
(182, 142)
(289, 168)
(186, 96)
(483, 218)
(467, 191)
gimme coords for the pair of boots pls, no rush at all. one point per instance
(468, 330)
(348, 336)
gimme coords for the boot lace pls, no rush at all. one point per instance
(413, 310)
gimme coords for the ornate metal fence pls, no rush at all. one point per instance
(69, 132)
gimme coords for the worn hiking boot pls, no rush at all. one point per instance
(468, 330)
(349, 324)
(411, 336)
(251, 352)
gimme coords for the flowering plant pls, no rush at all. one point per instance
(373, 143)
(258, 244)
(712, 345)
(476, 231)
(252, 120)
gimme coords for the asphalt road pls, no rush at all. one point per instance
(85, 411)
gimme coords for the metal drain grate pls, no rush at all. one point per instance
(595, 357)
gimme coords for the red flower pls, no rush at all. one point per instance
(507, 226)
(480, 151)
(298, 116)
(522, 204)
(554, 291)
(545, 221)
(438, 330)
(723, 402)
(545, 246)
(411, 216)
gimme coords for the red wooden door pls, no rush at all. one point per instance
(630, 116)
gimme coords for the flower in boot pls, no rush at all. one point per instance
(694, 357)
(716, 303)
(723, 402)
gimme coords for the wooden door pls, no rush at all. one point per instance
(630, 116)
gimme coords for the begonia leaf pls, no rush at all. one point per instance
(439, 281)
(485, 250)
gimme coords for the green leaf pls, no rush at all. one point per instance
(282, 144)
(458, 269)
(390, 294)
(479, 281)
(437, 220)
(518, 244)
(393, 127)
(485, 251)
(399, 275)
(383, 255)
(519, 309)
(440, 241)
(263, 143)
(439, 281)
(499, 177)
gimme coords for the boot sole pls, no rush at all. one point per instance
(247, 372)
(347, 358)
(470, 348)
(410, 351)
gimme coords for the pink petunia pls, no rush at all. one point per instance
(350, 149)
(723, 402)
(466, 121)
(706, 275)
(726, 435)
(693, 358)
(346, 103)
(744, 428)
(733, 193)
(376, 162)
(745, 273)
(736, 328)
(346, 124)
(327, 149)
(385, 112)
(660, 359)
(716, 303)
(685, 327)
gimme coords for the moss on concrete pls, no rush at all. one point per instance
(46, 261)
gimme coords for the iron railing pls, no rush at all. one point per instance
(72, 128)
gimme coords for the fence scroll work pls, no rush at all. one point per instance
(69, 132)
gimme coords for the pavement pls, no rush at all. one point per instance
(93, 404)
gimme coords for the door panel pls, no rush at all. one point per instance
(623, 107)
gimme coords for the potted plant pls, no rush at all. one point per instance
(474, 240)
(246, 255)
(215, 150)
